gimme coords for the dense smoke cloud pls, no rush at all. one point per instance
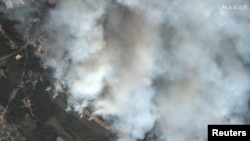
(166, 67)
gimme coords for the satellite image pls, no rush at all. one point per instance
(124, 70)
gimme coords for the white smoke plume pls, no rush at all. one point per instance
(161, 66)
(13, 3)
